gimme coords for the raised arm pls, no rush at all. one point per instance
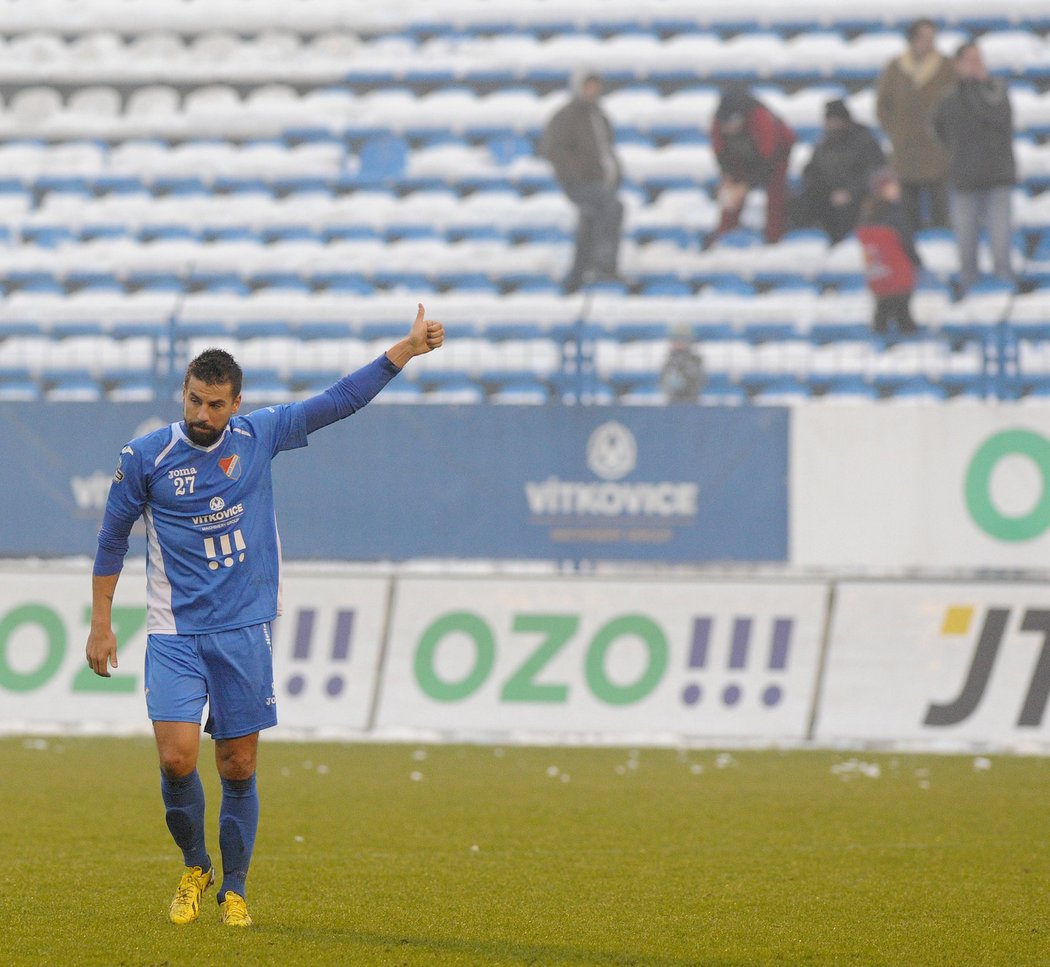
(352, 392)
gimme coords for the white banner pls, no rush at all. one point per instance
(611, 657)
(938, 665)
(44, 677)
(327, 647)
(964, 486)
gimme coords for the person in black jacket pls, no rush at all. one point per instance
(578, 142)
(975, 122)
(835, 181)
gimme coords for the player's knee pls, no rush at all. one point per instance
(237, 767)
(235, 762)
(176, 763)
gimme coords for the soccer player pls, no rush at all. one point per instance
(213, 573)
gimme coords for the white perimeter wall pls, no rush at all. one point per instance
(577, 659)
(957, 486)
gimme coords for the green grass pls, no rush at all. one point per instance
(538, 856)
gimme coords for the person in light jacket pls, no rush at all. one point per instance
(908, 93)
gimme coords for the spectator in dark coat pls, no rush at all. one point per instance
(975, 122)
(890, 256)
(578, 142)
(752, 146)
(835, 181)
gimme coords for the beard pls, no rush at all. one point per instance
(203, 436)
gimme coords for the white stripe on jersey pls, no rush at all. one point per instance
(160, 618)
(280, 568)
(175, 434)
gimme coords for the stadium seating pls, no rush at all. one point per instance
(291, 179)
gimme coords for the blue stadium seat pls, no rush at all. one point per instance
(340, 281)
(721, 390)
(381, 329)
(466, 281)
(641, 331)
(155, 280)
(311, 330)
(844, 387)
(17, 385)
(395, 278)
(265, 385)
(34, 280)
(400, 390)
(139, 328)
(911, 389)
(261, 328)
(972, 385)
(130, 385)
(158, 231)
(69, 328)
(10, 328)
(48, 236)
(309, 382)
(288, 280)
(526, 390)
(775, 389)
(70, 386)
(381, 161)
(585, 388)
(646, 391)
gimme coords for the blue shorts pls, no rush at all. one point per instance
(230, 670)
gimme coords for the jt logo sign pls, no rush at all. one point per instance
(957, 621)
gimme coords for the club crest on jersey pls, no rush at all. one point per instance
(231, 466)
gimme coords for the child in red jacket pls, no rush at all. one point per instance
(890, 257)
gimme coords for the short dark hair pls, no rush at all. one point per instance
(916, 25)
(965, 46)
(215, 366)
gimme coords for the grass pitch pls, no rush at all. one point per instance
(464, 855)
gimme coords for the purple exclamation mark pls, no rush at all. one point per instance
(692, 693)
(738, 650)
(304, 633)
(778, 658)
(344, 629)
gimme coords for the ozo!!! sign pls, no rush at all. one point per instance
(611, 657)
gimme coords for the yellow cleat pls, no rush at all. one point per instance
(186, 906)
(235, 911)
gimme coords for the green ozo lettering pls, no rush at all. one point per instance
(554, 633)
(52, 653)
(985, 514)
(42, 640)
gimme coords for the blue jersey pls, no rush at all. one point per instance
(213, 559)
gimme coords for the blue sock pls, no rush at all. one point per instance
(238, 821)
(184, 799)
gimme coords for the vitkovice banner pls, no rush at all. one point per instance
(685, 484)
